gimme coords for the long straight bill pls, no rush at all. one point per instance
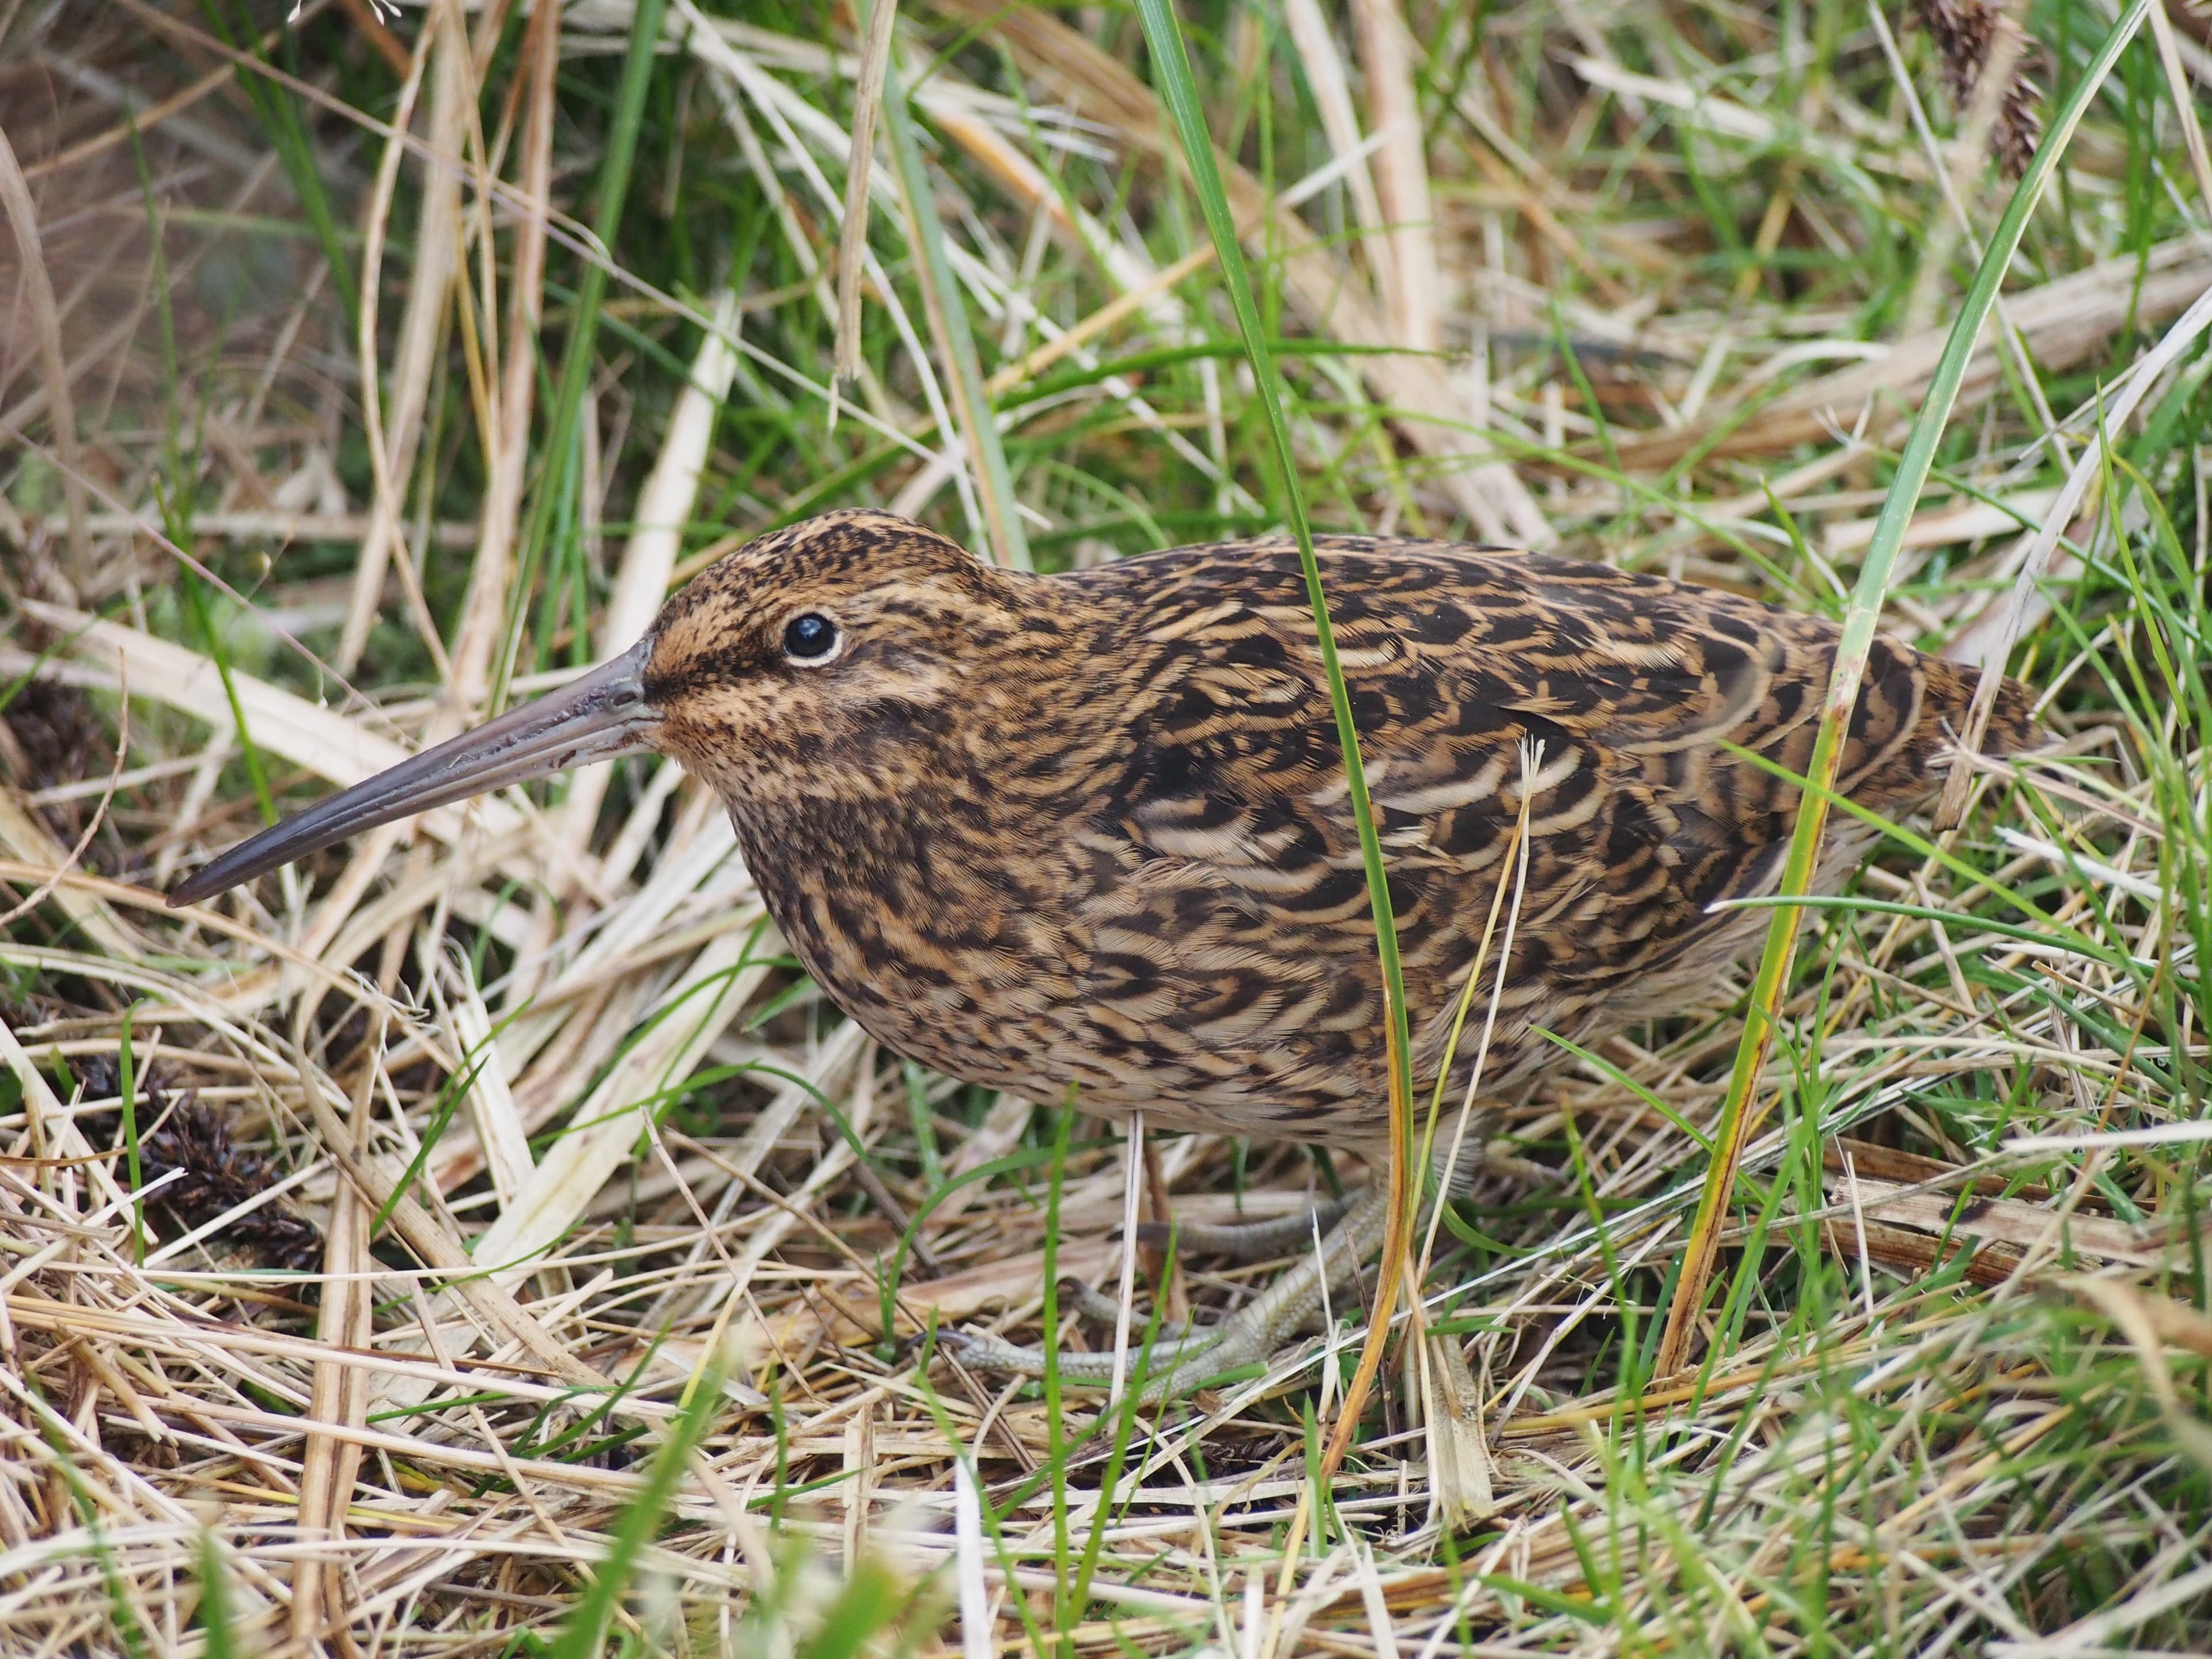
(598, 717)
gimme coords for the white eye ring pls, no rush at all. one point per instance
(811, 640)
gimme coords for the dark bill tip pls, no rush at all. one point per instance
(597, 717)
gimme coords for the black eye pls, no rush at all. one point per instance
(810, 638)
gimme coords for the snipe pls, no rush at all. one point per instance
(1092, 829)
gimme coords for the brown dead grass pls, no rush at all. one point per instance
(552, 1098)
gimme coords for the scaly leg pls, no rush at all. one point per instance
(1246, 1241)
(1248, 1337)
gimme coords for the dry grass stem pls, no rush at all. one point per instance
(449, 1164)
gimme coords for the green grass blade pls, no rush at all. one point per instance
(126, 1068)
(581, 1637)
(576, 364)
(1738, 1116)
(215, 1601)
(278, 108)
(1064, 1612)
(1179, 90)
(934, 266)
(196, 601)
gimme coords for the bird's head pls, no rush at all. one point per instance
(824, 659)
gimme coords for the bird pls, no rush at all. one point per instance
(1089, 835)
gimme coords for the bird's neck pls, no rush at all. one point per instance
(910, 870)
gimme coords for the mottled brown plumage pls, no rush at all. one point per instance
(1093, 828)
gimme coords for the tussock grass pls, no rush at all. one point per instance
(375, 369)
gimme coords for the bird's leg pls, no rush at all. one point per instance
(1482, 1158)
(1097, 1306)
(1248, 1337)
(1245, 1241)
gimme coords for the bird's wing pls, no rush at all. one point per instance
(1613, 694)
